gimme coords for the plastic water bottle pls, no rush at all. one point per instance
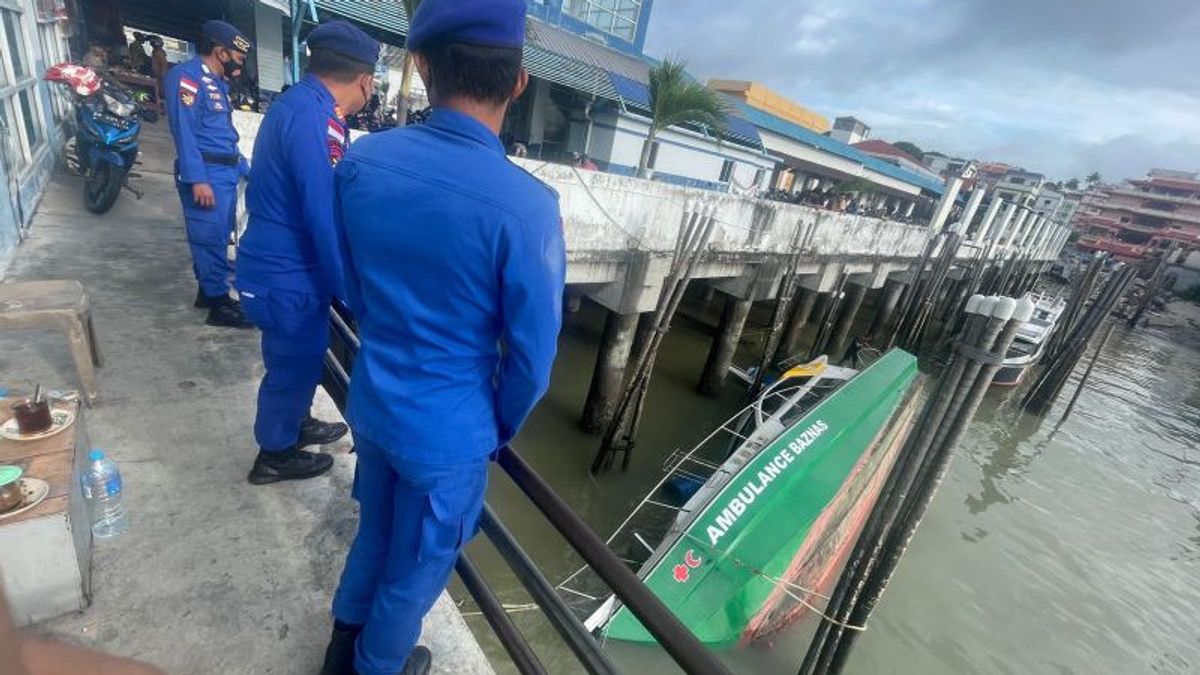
(102, 488)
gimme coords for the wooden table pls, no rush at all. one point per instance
(45, 552)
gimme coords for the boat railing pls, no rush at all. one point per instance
(688, 652)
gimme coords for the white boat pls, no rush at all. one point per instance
(1030, 343)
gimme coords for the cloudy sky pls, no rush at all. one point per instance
(1059, 86)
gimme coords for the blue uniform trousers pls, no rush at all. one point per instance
(295, 333)
(208, 230)
(414, 518)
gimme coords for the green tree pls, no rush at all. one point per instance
(677, 99)
(402, 99)
(910, 148)
(1072, 184)
(1093, 178)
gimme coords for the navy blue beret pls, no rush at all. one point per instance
(489, 23)
(346, 39)
(227, 35)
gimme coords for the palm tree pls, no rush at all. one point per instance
(677, 99)
(1093, 178)
(402, 102)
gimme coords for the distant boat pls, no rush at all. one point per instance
(746, 531)
(1030, 343)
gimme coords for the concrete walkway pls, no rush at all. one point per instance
(215, 576)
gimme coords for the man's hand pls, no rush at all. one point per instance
(202, 193)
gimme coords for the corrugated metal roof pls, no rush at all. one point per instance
(579, 48)
(386, 15)
(796, 132)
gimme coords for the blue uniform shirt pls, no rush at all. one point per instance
(455, 267)
(200, 117)
(291, 241)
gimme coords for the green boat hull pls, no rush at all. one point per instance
(752, 557)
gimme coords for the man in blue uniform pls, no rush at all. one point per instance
(455, 266)
(208, 165)
(290, 260)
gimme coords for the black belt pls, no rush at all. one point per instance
(226, 160)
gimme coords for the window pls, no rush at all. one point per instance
(616, 17)
(16, 44)
(21, 121)
(759, 176)
(653, 155)
(1017, 181)
(726, 171)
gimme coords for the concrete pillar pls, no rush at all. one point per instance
(609, 374)
(806, 299)
(887, 307)
(837, 342)
(945, 205)
(989, 217)
(720, 357)
(968, 213)
(908, 210)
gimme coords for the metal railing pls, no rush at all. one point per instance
(691, 655)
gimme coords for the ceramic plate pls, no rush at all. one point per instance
(33, 491)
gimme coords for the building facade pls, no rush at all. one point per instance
(34, 117)
(1142, 215)
(1020, 187)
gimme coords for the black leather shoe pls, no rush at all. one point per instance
(290, 464)
(228, 315)
(315, 432)
(209, 301)
(339, 655)
(419, 662)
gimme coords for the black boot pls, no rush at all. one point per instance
(228, 315)
(315, 432)
(208, 301)
(339, 655)
(419, 662)
(290, 464)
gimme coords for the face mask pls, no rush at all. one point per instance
(231, 67)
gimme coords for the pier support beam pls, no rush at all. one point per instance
(806, 300)
(887, 307)
(720, 357)
(609, 374)
(854, 299)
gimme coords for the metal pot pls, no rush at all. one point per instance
(10, 488)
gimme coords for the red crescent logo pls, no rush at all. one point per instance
(691, 560)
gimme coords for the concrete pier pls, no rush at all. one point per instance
(720, 357)
(612, 359)
(806, 300)
(891, 293)
(841, 332)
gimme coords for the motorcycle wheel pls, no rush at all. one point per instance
(101, 188)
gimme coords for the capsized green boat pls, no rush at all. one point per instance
(746, 531)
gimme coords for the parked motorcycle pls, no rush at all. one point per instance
(106, 134)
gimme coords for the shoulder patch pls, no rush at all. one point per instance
(335, 139)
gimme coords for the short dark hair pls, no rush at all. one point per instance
(205, 45)
(472, 71)
(336, 66)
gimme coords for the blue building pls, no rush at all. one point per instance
(620, 24)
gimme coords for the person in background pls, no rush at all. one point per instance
(158, 62)
(454, 271)
(290, 259)
(208, 165)
(137, 54)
